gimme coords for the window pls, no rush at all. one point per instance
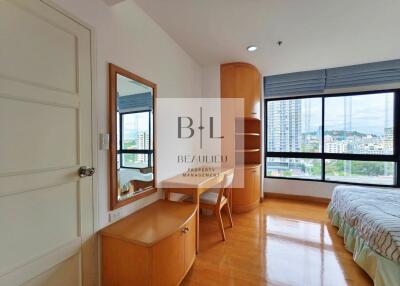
(135, 139)
(294, 167)
(294, 124)
(346, 138)
(360, 124)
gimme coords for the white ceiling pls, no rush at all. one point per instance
(315, 33)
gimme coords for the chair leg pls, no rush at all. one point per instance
(230, 214)
(220, 224)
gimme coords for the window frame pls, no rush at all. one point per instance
(122, 151)
(338, 156)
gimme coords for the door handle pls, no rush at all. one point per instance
(85, 171)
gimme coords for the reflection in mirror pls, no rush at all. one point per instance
(134, 129)
(132, 137)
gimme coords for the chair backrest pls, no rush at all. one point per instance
(226, 188)
(228, 180)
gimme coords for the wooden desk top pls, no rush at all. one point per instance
(152, 223)
(204, 179)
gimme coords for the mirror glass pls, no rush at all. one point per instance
(134, 120)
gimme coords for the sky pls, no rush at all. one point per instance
(368, 113)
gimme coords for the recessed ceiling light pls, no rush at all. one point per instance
(252, 48)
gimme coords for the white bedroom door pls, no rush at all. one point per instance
(46, 209)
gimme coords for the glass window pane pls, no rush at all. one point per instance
(135, 132)
(363, 172)
(294, 125)
(294, 168)
(135, 160)
(359, 124)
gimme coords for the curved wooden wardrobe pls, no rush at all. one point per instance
(242, 80)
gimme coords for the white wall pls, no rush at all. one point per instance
(211, 83)
(127, 37)
(299, 188)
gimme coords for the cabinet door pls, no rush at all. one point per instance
(239, 194)
(168, 260)
(255, 185)
(124, 263)
(190, 243)
(249, 185)
(246, 198)
(247, 86)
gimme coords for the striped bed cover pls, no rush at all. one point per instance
(374, 213)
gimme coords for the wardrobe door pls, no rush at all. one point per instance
(241, 80)
(247, 85)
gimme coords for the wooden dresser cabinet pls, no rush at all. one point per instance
(155, 246)
(243, 80)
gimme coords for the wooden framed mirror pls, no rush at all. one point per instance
(132, 157)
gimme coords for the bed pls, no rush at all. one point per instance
(369, 221)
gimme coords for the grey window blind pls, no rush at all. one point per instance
(317, 81)
(135, 102)
(294, 83)
(365, 74)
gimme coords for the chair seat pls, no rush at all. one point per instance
(209, 198)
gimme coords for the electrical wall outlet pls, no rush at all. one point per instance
(114, 216)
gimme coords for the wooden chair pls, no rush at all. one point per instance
(216, 201)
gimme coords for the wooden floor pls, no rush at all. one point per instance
(283, 242)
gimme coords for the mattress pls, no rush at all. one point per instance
(374, 213)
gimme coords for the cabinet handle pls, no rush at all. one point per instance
(254, 113)
(185, 229)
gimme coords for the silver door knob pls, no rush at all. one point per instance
(85, 171)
